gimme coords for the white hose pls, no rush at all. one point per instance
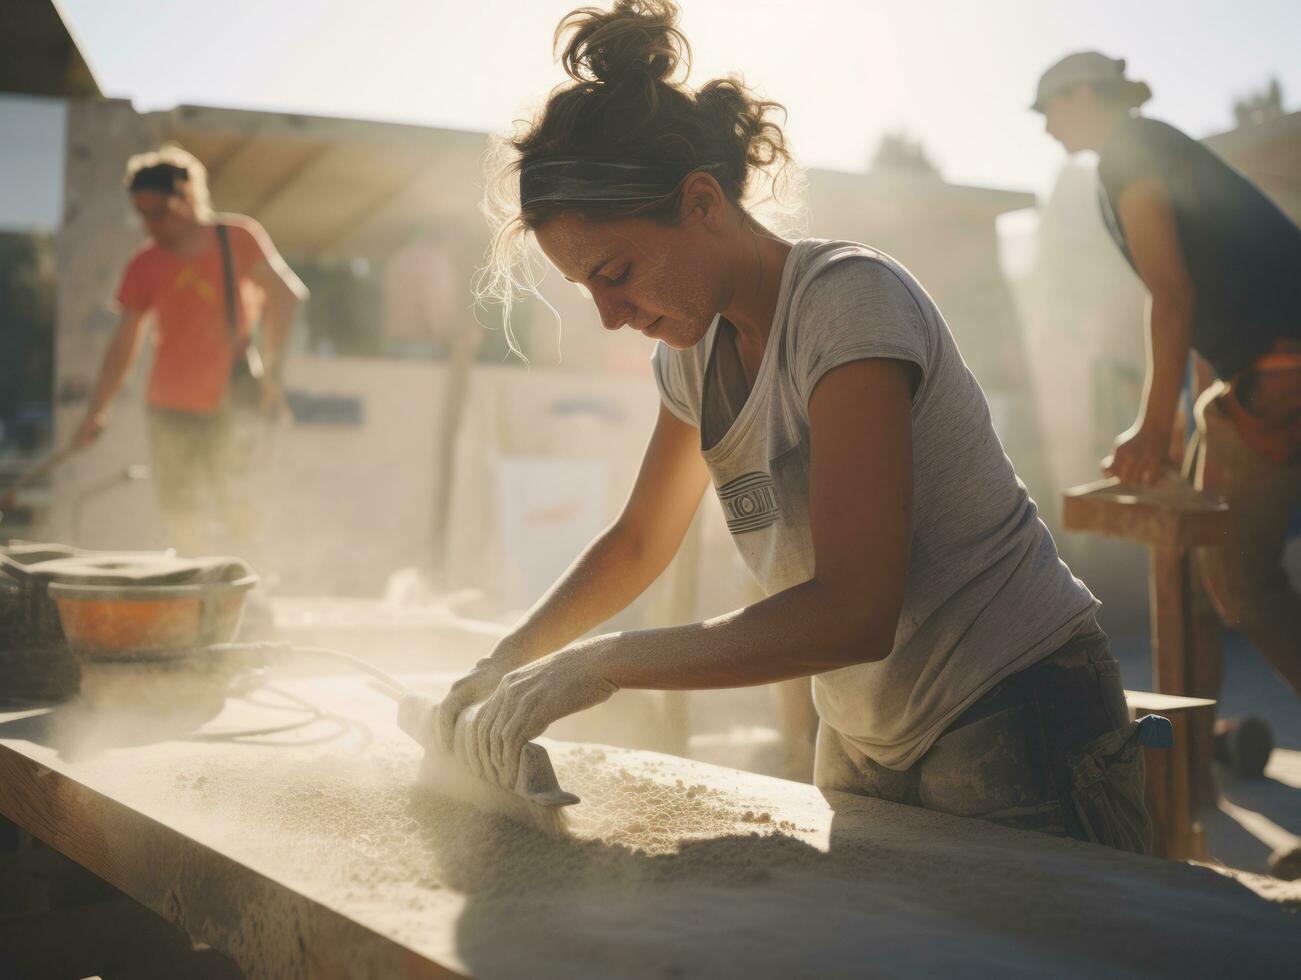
(388, 680)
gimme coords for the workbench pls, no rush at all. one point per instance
(308, 852)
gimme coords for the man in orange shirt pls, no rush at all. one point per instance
(206, 278)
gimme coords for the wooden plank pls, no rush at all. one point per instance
(308, 854)
(213, 897)
(1150, 703)
(1173, 514)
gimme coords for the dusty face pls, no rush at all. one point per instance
(665, 281)
(167, 217)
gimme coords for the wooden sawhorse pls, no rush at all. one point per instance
(1172, 519)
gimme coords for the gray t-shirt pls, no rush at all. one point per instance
(986, 593)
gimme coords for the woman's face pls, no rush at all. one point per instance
(665, 281)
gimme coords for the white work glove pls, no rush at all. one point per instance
(480, 682)
(525, 703)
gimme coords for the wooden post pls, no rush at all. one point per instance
(1168, 578)
(1172, 519)
(1205, 678)
(1170, 795)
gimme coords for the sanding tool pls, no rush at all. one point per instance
(536, 800)
(537, 783)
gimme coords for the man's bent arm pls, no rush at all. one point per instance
(1145, 212)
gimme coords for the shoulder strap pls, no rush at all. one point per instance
(228, 282)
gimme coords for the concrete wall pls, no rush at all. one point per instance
(94, 239)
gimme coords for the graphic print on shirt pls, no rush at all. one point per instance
(189, 277)
(767, 513)
(749, 501)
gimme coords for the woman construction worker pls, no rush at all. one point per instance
(957, 664)
(205, 278)
(1222, 266)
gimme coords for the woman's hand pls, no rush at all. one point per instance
(480, 682)
(525, 703)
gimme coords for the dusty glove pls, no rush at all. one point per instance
(526, 701)
(480, 682)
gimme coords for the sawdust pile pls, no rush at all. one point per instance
(383, 831)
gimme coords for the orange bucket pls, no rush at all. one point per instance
(115, 621)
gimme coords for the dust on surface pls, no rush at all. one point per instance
(673, 868)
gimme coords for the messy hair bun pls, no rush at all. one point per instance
(633, 38)
(627, 101)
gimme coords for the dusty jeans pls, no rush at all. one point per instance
(1245, 578)
(205, 469)
(1050, 748)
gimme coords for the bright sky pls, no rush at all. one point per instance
(955, 73)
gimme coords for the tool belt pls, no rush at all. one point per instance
(1264, 404)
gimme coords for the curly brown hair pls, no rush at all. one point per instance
(627, 101)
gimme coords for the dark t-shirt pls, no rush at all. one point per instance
(1243, 254)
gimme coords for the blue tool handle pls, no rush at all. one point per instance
(1156, 732)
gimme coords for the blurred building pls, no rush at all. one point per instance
(1268, 150)
(382, 222)
(355, 205)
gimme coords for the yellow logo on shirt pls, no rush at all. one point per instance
(189, 277)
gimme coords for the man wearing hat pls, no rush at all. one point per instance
(1222, 266)
(206, 279)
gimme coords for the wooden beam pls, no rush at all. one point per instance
(272, 191)
(372, 207)
(239, 144)
(268, 929)
(1172, 514)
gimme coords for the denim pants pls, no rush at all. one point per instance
(1050, 748)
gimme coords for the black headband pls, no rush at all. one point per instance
(572, 180)
(160, 177)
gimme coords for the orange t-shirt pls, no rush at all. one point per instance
(194, 350)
